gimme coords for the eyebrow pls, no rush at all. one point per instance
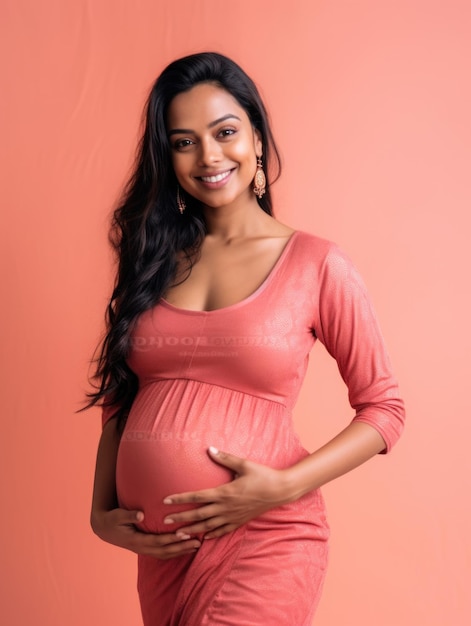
(185, 131)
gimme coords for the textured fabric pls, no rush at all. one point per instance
(230, 378)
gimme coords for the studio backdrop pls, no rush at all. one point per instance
(370, 103)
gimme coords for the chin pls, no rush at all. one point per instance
(223, 202)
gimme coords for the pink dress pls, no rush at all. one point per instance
(230, 378)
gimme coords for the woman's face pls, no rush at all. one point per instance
(214, 146)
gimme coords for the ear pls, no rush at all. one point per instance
(258, 145)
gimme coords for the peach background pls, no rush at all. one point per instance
(371, 105)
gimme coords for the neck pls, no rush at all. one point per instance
(236, 221)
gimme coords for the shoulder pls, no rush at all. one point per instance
(323, 261)
(315, 249)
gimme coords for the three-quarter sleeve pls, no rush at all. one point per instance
(347, 325)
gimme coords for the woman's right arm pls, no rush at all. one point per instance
(118, 526)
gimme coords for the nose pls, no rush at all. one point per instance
(210, 152)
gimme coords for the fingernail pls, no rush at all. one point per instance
(168, 520)
(213, 450)
(167, 500)
(183, 536)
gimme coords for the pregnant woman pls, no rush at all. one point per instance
(215, 309)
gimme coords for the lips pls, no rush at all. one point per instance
(215, 178)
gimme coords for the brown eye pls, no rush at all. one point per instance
(181, 144)
(226, 132)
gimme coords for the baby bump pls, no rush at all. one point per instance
(164, 448)
(152, 466)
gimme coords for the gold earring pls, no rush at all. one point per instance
(260, 181)
(180, 201)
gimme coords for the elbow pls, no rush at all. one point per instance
(388, 418)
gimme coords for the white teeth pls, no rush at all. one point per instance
(215, 179)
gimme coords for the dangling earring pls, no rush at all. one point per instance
(180, 201)
(260, 182)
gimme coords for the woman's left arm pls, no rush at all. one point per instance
(345, 322)
(257, 488)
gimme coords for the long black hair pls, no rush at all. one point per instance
(147, 230)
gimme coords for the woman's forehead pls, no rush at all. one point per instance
(202, 104)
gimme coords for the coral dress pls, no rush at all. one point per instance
(230, 378)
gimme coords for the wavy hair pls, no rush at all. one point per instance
(147, 231)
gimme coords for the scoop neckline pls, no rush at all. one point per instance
(278, 263)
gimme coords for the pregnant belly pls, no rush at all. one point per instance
(164, 448)
(149, 470)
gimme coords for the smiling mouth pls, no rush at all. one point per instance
(215, 179)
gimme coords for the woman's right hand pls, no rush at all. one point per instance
(118, 527)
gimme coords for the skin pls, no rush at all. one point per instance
(211, 134)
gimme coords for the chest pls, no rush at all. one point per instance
(224, 275)
(259, 346)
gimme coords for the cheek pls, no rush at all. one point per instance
(180, 165)
(244, 153)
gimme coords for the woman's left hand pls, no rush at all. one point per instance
(255, 490)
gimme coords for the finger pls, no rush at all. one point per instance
(164, 545)
(236, 463)
(205, 526)
(192, 497)
(172, 555)
(176, 548)
(171, 551)
(129, 517)
(219, 532)
(193, 515)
